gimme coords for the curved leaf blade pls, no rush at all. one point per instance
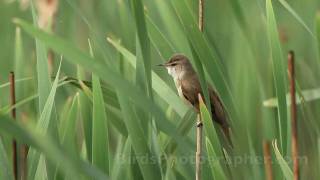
(279, 74)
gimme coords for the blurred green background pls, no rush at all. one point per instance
(99, 126)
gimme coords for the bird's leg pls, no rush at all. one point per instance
(199, 123)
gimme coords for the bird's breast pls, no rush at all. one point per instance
(177, 82)
(180, 91)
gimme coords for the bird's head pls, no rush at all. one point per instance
(178, 65)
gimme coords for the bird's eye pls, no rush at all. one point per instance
(173, 64)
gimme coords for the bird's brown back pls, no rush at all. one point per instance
(190, 90)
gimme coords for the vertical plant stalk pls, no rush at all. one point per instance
(13, 114)
(199, 122)
(267, 160)
(23, 163)
(199, 143)
(201, 13)
(294, 133)
(199, 147)
(23, 158)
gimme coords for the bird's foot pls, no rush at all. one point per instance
(199, 124)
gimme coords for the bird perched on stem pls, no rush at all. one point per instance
(188, 86)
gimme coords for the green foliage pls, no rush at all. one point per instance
(282, 162)
(6, 172)
(214, 162)
(279, 74)
(100, 140)
(117, 115)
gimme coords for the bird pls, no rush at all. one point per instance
(188, 86)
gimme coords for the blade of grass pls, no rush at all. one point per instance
(85, 114)
(279, 74)
(33, 136)
(5, 168)
(143, 47)
(210, 132)
(69, 127)
(287, 172)
(308, 95)
(68, 131)
(287, 6)
(44, 81)
(171, 26)
(183, 128)
(7, 109)
(149, 169)
(116, 118)
(318, 145)
(122, 167)
(138, 135)
(100, 140)
(42, 125)
(240, 16)
(214, 162)
(44, 84)
(317, 32)
(159, 40)
(17, 81)
(64, 116)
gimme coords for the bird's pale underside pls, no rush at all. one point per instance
(188, 86)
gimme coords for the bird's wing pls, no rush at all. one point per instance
(190, 92)
(217, 109)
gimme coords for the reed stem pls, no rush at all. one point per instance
(294, 133)
(13, 114)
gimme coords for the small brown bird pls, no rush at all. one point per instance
(188, 86)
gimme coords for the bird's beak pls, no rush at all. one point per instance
(161, 65)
